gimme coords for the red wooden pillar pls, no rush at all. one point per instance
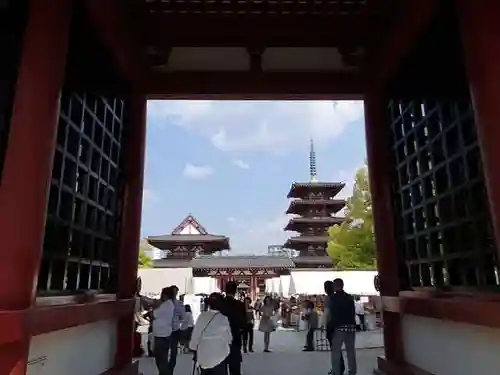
(28, 163)
(381, 172)
(481, 42)
(135, 145)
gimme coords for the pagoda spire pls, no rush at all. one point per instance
(312, 163)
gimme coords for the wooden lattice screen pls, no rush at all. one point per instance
(80, 246)
(442, 214)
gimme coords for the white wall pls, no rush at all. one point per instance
(155, 279)
(448, 348)
(82, 350)
(311, 281)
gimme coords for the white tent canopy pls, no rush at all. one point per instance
(284, 287)
(205, 285)
(311, 282)
(273, 285)
(155, 279)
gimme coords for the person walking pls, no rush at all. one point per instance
(266, 323)
(311, 316)
(343, 317)
(187, 328)
(360, 312)
(180, 319)
(163, 316)
(235, 312)
(211, 338)
(328, 322)
(248, 331)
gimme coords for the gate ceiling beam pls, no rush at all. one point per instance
(231, 85)
(384, 58)
(115, 33)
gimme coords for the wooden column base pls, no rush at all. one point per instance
(132, 369)
(386, 367)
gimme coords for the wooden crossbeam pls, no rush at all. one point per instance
(386, 56)
(257, 7)
(246, 85)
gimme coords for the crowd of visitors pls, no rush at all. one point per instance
(225, 327)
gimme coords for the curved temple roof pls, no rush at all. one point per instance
(221, 262)
(189, 232)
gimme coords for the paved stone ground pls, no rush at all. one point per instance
(287, 356)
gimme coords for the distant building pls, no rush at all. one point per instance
(280, 250)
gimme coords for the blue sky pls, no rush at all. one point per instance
(231, 163)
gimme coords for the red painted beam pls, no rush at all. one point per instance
(481, 37)
(212, 30)
(107, 17)
(28, 166)
(13, 325)
(135, 147)
(381, 173)
(48, 319)
(245, 85)
(39, 320)
(385, 57)
(482, 310)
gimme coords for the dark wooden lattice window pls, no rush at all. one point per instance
(442, 213)
(80, 248)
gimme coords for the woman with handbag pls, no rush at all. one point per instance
(267, 323)
(211, 339)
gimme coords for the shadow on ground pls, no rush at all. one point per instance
(287, 356)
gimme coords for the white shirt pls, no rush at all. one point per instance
(211, 339)
(189, 321)
(163, 319)
(179, 315)
(359, 307)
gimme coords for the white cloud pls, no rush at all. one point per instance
(274, 126)
(197, 172)
(252, 235)
(240, 164)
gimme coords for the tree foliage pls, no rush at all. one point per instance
(352, 244)
(145, 261)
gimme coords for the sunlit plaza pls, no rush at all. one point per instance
(287, 356)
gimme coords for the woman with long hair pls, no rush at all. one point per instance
(267, 324)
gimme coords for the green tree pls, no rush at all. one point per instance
(145, 261)
(352, 244)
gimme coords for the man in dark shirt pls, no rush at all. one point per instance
(330, 329)
(343, 323)
(235, 312)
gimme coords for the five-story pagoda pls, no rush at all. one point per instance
(314, 206)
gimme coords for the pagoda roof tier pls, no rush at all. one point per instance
(303, 189)
(298, 224)
(229, 262)
(312, 261)
(303, 242)
(300, 206)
